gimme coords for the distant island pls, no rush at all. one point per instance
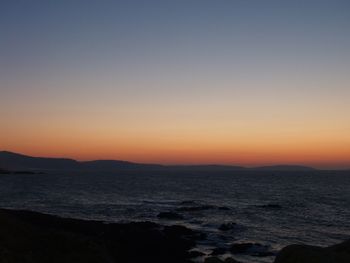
(10, 161)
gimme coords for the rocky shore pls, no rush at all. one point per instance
(30, 237)
(339, 253)
(27, 237)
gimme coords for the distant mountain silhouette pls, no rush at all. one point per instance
(284, 168)
(15, 161)
(114, 164)
(207, 167)
(10, 160)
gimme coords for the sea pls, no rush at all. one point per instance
(270, 208)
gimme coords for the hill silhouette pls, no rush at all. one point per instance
(10, 160)
(284, 168)
(16, 161)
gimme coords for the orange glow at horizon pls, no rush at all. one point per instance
(248, 150)
(227, 127)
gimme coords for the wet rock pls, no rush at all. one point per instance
(224, 208)
(213, 260)
(252, 249)
(181, 238)
(184, 232)
(231, 260)
(218, 251)
(263, 254)
(241, 248)
(311, 254)
(29, 237)
(170, 216)
(195, 254)
(227, 226)
(218, 260)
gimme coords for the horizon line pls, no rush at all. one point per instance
(182, 164)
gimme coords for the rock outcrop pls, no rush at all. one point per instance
(311, 254)
(30, 237)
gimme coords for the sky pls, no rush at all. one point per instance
(177, 82)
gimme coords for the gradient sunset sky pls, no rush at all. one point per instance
(232, 82)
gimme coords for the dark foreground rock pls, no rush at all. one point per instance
(252, 249)
(310, 254)
(29, 237)
(217, 260)
(218, 251)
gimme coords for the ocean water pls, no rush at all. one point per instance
(274, 209)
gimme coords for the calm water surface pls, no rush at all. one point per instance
(274, 209)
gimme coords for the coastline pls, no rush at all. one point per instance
(27, 237)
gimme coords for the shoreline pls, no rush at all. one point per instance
(28, 237)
